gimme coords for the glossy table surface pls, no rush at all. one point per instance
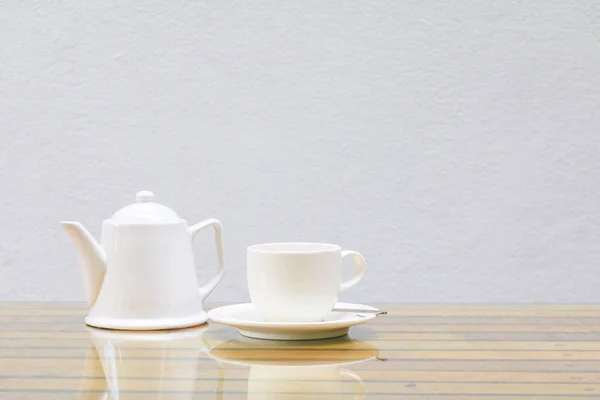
(415, 352)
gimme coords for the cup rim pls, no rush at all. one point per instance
(277, 248)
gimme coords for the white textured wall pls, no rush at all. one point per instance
(454, 143)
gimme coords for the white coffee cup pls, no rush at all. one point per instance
(298, 282)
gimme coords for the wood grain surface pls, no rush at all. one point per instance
(450, 352)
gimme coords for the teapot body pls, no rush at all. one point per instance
(142, 275)
(150, 280)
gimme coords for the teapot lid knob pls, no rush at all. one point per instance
(144, 196)
(145, 210)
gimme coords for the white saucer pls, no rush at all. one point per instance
(251, 324)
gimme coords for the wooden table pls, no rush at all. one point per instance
(416, 352)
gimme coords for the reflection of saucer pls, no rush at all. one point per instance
(251, 324)
(252, 352)
(299, 370)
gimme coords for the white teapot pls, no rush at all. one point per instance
(142, 275)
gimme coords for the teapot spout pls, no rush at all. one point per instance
(91, 258)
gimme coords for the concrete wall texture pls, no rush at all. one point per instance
(454, 143)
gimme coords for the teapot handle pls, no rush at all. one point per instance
(194, 229)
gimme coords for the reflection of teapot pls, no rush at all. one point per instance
(142, 276)
(143, 362)
(272, 378)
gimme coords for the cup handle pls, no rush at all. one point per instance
(356, 378)
(194, 229)
(359, 271)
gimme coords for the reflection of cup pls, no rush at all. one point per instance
(298, 282)
(276, 371)
(148, 362)
(273, 382)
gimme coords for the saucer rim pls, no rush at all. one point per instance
(290, 364)
(216, 315)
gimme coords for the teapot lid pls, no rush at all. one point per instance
(145, 211)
